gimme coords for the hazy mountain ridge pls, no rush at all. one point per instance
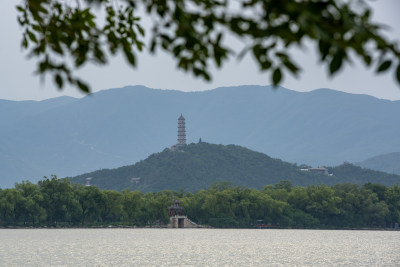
(198, 166)
(389, 163)
(117, 127)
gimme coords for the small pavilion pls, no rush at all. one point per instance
(176, 219)
(175, 209)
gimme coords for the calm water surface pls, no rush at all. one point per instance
(197, 247)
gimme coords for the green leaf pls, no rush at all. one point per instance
(384, 66)
(290, 66)
(20, 9)
(32, 36)
(336, 63)
(281, 55)
(59, 80)
(140, 29)
(130, 57)
(37, 28)
(367, 59)
(153, 46)
(24, 42)
(139, 45)
(83, 86)
(277, 76)
(323, 49)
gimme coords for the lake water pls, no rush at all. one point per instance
(197, 247)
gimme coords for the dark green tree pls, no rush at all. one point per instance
(32, 197)
(92, 203)
(372, 209)
(392, 197)
(11, 202)
(113, 209)
(133, 207)
(155, 206)
(324, 204)
(57, 197)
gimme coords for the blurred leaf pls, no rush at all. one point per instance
(130, 57)
(140, 29)
(24, 42)
(323, 49)
(292, 67)
(58, 80)
(336, 63)
(384, 66)
(367, 59)
(277, 76)
(83, 86)
(20, 8)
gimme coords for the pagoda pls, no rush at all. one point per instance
(181, 131)
(175, 209)
(181, 134)
(177, 219)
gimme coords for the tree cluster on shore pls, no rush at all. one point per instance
(56, 202)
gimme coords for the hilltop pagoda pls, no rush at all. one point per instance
(181, 131)
(181, 134)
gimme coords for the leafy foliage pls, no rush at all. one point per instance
(63, 36)
(56, 202)
(197, 166)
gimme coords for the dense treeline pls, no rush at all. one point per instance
(56, 202)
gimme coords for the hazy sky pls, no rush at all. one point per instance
(17, 81)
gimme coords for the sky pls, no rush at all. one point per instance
(18, 81)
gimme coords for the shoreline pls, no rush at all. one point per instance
(204, 227)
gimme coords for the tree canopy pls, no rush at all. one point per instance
(55, 202)
(62, 36)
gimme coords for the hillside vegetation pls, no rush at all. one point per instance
(197, 166)
(118, 127)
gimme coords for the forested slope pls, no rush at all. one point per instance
(197, 166)
(118, 127)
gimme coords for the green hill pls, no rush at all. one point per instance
(349, 173)
(119, 127)
(197, 166)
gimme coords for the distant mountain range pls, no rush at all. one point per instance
(112, 128)
(389, 163)
(198, 166)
